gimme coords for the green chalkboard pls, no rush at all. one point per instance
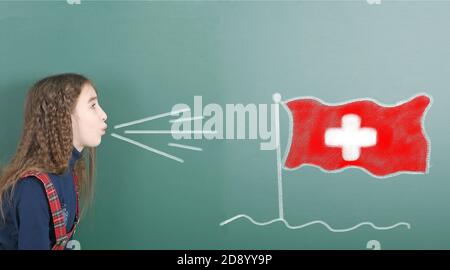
(147, 58)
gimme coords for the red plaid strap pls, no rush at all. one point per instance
(61, 236)
(75, 180)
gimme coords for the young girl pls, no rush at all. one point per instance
(40, 187)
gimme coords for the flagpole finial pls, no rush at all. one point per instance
(277, 97)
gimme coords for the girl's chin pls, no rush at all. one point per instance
(95, 144)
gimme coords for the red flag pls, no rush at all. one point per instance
(382, 140)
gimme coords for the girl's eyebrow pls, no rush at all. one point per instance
(92, 99)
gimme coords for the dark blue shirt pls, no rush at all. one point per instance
(28, 223)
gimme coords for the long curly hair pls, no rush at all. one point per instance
(47, 140)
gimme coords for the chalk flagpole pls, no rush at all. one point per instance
(277, 99)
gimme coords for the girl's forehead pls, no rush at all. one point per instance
(88, 93)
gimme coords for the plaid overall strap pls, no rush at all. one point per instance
(55, 207)
(77, 219)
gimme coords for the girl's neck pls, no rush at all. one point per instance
(79, 148)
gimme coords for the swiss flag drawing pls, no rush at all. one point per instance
(380, 139)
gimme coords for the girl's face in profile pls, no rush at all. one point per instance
(88, 119)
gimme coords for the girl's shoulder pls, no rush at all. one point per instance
(29, 186)
(29, 180)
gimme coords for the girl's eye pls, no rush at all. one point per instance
(93, 105)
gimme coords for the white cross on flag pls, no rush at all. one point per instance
(383, 140)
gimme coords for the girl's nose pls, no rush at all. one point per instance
(104, 116)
